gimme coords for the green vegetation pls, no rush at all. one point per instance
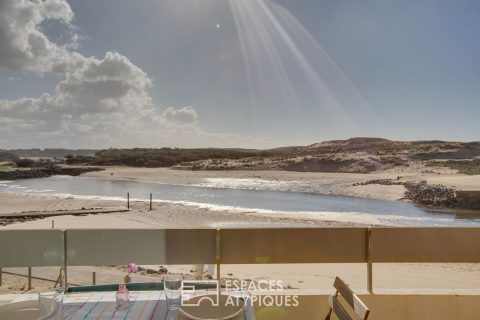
(25, 163)
(164, 157)
(51, 153)
(5, 167)
(71, 159)
(470, 167)
(351, 155)
(7, 156)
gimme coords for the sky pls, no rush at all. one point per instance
(236, 73)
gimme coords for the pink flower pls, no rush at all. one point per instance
(132, 268)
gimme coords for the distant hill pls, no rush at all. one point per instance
(361, 155)
(7, 156)
(51, 153)
(167, 157)
(420, 150)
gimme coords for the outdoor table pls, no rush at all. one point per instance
(102, 306)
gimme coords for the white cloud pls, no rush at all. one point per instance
(112, 84)
(102, 99)
(185, 115)
(23, 45)
(99, 101)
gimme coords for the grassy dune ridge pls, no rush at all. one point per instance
(356, 155)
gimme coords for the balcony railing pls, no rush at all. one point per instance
(87, 247)
(97, 247)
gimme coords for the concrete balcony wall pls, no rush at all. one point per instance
(24, 248)
(385, 307)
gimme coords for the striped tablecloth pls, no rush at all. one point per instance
(101, 306)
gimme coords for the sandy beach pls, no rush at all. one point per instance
(163, 215)
(11, 203)
(421, 277)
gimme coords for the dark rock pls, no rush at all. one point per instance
(430, 195)
(422, 193)
(385, 182)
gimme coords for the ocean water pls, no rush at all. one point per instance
(244, 196)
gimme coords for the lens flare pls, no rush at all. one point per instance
(289, 71)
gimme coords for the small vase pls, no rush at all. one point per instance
(122, 297)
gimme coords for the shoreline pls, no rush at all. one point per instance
(437, 182)
(329, 183)
(271, 180)
(334, 184)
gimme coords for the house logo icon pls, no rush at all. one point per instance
(212, 299)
